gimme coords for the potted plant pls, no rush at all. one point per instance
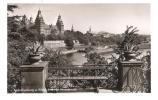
(36, 50)
(128, 47)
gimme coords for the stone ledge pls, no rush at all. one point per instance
(38, 66)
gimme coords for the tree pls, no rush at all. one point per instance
(89, 49)
(69, 43)
(77, 35)
(56, 59)
(19, 39)
(96, 60)
(13, 21)
(16, 53)
(83, 39)
(11, 8)
(32, 38)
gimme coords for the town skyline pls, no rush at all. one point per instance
(111, 18)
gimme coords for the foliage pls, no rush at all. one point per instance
(69, 43)
(13, 78)
(95, 60)
(129, 44)
(11, 7)
(81, 38)
(87, 38)
(33, 38)
(20, 38)
(146, 68)
(52, 37)
(16, 51)
(17, 55)
(101, 38)
(89, 49)
(13, 23)
(74, 35)
(110, 73)
(56, 59)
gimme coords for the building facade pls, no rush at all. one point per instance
(41, 27)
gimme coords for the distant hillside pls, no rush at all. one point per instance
(104, 34)
(145, 46)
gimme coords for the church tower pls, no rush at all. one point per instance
(39, 23)
(90, 30)
(72, 28)
(60, 25)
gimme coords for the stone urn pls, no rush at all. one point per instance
(129, 55)
(34, 58)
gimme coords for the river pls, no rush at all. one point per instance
(77, 58)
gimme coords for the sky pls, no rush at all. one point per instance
(111, 18)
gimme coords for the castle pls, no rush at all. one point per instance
(41, 27)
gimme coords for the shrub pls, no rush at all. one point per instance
(56, 59)
(95, 60)
(69, 43)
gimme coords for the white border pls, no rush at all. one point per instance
(76, 96)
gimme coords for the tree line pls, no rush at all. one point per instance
(94, 40)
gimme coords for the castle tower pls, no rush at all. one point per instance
(60, 25)
(39, 23)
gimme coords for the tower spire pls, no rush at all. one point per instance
(90, 29)
(60, 24)
(39, 22)
(72, 28)
(39, 13)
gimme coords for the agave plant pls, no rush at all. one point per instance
(128, 47)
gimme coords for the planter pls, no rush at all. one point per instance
(129, 55)
(34, 58)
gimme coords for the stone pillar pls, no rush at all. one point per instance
(33, 77)
(123, 70)
(120, 76)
